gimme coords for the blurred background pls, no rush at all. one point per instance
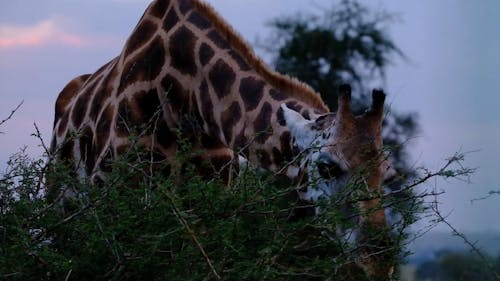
(437, 61)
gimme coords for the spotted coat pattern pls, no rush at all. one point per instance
(182, 68)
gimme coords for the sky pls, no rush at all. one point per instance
(448, 78)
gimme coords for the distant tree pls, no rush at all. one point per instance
(347, 43)
(458, 266)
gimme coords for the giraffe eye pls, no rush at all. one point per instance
(329, 170)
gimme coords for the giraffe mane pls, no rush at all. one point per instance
(288, 85)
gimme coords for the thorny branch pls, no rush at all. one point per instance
(11, 114)
(490, 193)
(191, 233)
(472, 245)
(43, 170)
(444, 172)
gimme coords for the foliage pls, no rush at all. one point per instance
(138, 226)
(144, 226)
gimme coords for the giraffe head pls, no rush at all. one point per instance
(337, 145)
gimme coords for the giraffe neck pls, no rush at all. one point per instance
(202, 70)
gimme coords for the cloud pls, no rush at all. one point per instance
(47, 32)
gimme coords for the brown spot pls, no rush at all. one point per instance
(262, 124)
(159, 8)
(251, 91)
(145, 65)
(170, 20)
(207, 109)
(103, 128)
(241, 142)
(277, 156)
(198, 20)
(146, 105)
(175, 93)
(142, 33)
(306, 115)
(209, 142)
(220, 164)
(107, 161)
(99, 97)
(242, 63)
(67, 94)
(123, 119)
(66, 151)
(164, 136)
(218, 40)
(153, 59)
(206, 53)
(286, 146)
(182, 47)
(184, 6)
(264, 158)
(276, 95)
(230, 117)
(294, 106)
(86, 149)
(222, 78)
(79, 110)
(280, 117)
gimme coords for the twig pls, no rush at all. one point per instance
(472, 245)
(64, 221)
(43, 170)
(11, 114)
(191, 233)
(444, 172)
(68, 275)
(38, 135)
(110, 242)
(11, 274)
(490, 193)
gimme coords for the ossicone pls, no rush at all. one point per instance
(344, 91)
(344, 101)
(378, 98)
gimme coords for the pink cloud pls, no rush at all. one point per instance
(47, 32)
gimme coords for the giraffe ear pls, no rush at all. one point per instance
(300, 128)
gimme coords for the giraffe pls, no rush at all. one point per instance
(184, 68)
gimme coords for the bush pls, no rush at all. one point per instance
(137, 226)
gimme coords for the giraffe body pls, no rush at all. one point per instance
(183, 69)
(184, 63)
